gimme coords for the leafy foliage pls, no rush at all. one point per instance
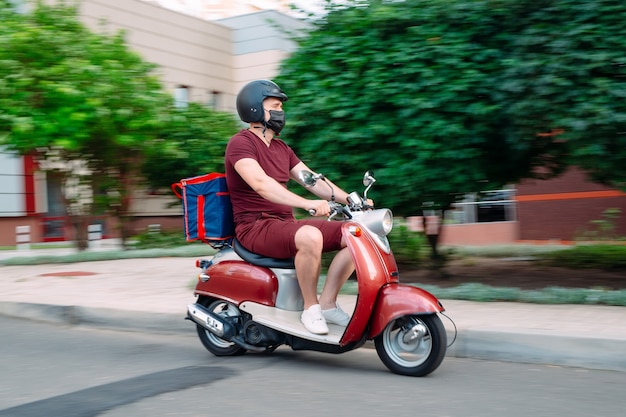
(608, 257)
(603, 228)
(65, 87)
(161, 239)
(447, 97)
(75, 95)
(192, 143)
(408, 246)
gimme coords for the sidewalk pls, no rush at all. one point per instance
(152, 295)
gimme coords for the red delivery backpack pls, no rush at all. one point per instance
(207, 211)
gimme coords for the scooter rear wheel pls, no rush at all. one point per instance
(213, 343)
(412, 345)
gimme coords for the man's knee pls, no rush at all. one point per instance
(309, 238)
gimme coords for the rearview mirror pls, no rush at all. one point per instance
(368, 178)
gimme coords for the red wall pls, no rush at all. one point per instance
(562, 208)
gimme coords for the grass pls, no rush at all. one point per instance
(505, 251)
(485, 293)
(550, 295)
(109, 255)
(41, 246)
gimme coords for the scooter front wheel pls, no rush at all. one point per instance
(213, 343)
(412, 345)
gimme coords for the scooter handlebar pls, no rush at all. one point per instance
(335, 208)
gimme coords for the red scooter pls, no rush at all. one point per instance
(246, 302)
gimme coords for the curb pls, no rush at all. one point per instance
(99, 318)
(546, 349)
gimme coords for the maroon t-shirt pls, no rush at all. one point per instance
(276, 160)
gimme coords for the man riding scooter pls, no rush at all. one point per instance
(258, 168)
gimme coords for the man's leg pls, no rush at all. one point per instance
(309, 243)
(339, 271)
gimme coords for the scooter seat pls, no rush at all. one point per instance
(260, 260)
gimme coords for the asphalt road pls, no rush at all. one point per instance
(50, 370)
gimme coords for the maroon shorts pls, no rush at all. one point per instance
(276, 238)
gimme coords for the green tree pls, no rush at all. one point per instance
(191, 144)
(568, 66)
(447, 97)
(75, 95)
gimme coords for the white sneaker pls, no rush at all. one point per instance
(336, 316)
(313, 320)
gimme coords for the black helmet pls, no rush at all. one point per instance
(250, 99)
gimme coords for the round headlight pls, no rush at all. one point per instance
(387, 222)
(379, 221)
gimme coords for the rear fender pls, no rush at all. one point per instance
(397, 300)
(238, 281)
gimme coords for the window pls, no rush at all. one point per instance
(181, 96)
(56, 199)
(487, 206)
(214, 99)
(54, 228)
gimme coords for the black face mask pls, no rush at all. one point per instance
(276, 121)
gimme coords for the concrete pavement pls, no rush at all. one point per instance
(151, 294)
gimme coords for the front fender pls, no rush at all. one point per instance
(397, 300)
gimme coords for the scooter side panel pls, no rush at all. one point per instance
(238, 281)
(397, 300)
(374, 269)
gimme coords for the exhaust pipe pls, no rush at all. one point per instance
(218, 326)
(210, 321)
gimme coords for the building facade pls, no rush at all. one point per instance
(562, 210)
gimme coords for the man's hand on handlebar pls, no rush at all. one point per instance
(319, 208)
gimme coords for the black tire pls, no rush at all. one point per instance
(213, 343)
(412, 356)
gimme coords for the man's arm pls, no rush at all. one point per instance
(321, 188)
(268, 188)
